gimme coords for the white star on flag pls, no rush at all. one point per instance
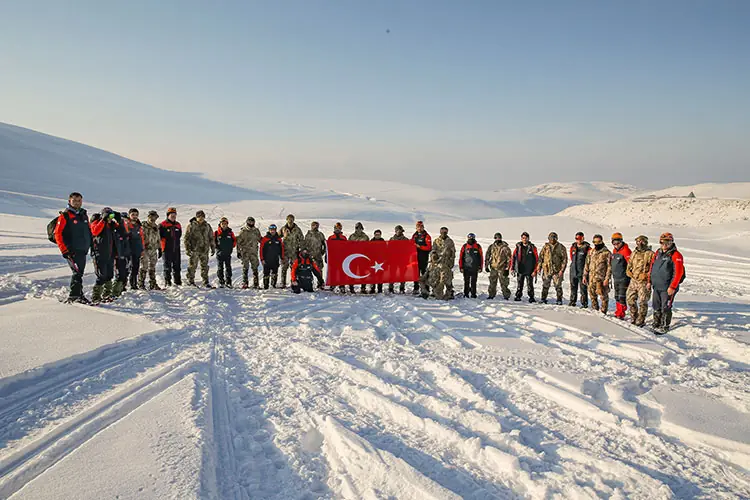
(378, 266)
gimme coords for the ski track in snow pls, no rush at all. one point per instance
(322, 396)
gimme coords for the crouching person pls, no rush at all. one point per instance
(431, 279)
(304, 270)
(103, 227)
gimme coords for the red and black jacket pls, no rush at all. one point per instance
(423, 240)
(103, 232)
(337, 236)
(667, 269)
(306, 266)
(620, 260)
(225, 242)
(470, 259)
(170, 234)
(578, 255)
(72, 232)
(137, 239)
(524, 259)
(271, 249)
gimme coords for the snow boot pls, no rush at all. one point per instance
(657, 323)
(152, 284)
(517, 298)
(117, 288)
(532, 300)
(96, 294)
(255, 279)
(266, 281)
(667, 321)
(274, 278)
(543, 301)
(142, 279)
(206, 284)
(559, 298)
(545, 292)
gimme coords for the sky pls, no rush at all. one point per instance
(447, 94)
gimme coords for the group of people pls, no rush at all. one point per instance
(125, 249)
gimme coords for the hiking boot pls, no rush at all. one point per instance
(117, 288)
(517, 299)
(83, 300)
(532, 300)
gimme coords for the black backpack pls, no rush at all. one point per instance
(51, 226)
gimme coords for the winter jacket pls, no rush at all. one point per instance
(225, 242)
(199, 237)
(470, 259)
(498, 256)
(359, 235)
(248, 242)
(578, 255)
(271, 249)
(293, 238)
(525, 259)
(315, 243)
(667, 269)
(170, 234)
(337, 236)
(122, 238)
(423, 240)
(103, 238)
(552, 259)
(639, 265)
(620, 258)
(598, 265)
(72, 232)
(446, 248)
(151, 240)
(137, 238)
(304, 268)
(397, 237)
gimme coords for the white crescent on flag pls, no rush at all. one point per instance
(348, 262)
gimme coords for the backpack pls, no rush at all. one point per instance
(51, 226)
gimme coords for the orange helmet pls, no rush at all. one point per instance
(617, 236)
(666, 236)
(171, 210)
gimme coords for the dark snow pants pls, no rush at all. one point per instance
(529, 285)
(105, 270)
(470, 283)
(135, 266)
(172, 266)
(575, 284)
(77, 265)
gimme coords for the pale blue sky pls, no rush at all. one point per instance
(471, 94)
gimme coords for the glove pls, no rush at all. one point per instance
(158, 253)
(671, 291)
(66, 255)
(487, 269)
(239, 255)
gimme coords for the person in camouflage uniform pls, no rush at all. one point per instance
(398, 236)
(433, 278)
(248, 242)
(315, 244)
(597, 273)
(444, 246)
(497, 263)
(199, 241)
(553, 259)
(292, 236)
(639, 290)
(151, 252)
(359, 235)
(377, 236)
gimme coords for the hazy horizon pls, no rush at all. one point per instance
(435, 94)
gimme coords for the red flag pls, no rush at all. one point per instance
(371, 262)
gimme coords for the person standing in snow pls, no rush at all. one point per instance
(137, 245)
(292, 236)
(225, 241)
(199, 240)
(377, 236)
(315, 243)
(578, 252)
(470, 263)
(103, 227)
(553, 259)
(620, 258)
(597, 273)
(496, 263)
(398, 236)
(667, 273)
(423, 241)
(444, 246)
(248, 243)
(73, 238)
(170, 232)
(151, 252)
(359, 235)
(523, 266)
(271, 256)
(123, 254)
(639, 290)
(338, 235)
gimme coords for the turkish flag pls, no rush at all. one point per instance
(371, 262)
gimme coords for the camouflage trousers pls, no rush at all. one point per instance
(598, 289)
(435, 280)
(196, 258)
(446, 281)
(250, 263)
(148, 260)
(556, 280)
(285, 265)
(320, 262)
(638, 295)
(504, 279)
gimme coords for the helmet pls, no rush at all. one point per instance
(223, 219)
(399, 228)
(272, 226)
(666, 236)
(359, 225)
(200, 213)
(250, 219)
(498, 236)
(471, 236)
(643, 238)
(152, 213)
(171, 210)
(616, 236)
(552, 235)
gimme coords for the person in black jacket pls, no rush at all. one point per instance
(170, 232)
(523, 265)
(470, 263)
(225, 243)
(137, 245)
(304, 269)
(123, 253)
(578, 252)
(73, 238)
(271, 255)
(103, 227)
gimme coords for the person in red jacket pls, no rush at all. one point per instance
(225, 243)
(470, 263)
(620, 258)
(304, 269)
(423, 241)
(73, 238)
(667, 272)
(170, 232)
(338, 234)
